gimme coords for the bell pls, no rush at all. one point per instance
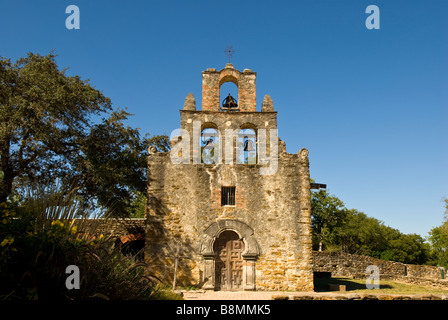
(249, 145)
(229, 103)
(209, 144)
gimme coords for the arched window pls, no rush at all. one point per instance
(210, 146)
(247, 146)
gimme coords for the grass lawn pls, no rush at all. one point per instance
(386, 287)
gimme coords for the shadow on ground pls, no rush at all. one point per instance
(322, 284)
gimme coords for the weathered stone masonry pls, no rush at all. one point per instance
(341, 264)
(263, 241)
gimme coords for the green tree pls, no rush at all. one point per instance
(369, 236)
(438, 240)
(364, 235)
(161, 142)
(112, 164)
(138, 205)
(43, 116)
(328, 214)
(354, 232)
(47, 134)
(408, 248)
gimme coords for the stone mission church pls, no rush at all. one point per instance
(215, 219)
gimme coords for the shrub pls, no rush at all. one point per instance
(46, 232)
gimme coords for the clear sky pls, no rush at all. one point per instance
(371, 106)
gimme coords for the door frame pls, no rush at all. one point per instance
(250, 254)
(229, 241)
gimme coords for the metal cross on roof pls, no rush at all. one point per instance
(229, 52)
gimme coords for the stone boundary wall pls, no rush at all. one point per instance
(346, 265)
(114, 227)
(342, 264)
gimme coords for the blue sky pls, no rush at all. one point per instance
(371, 106)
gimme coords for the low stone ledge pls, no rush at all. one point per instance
(337, 287)
(279, 297)
(304, 297)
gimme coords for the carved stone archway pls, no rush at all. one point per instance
(250, 254)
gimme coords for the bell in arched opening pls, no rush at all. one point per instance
(248, 145)
(208, 144)
(229, 104)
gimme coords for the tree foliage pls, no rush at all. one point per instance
(113, 166)
(337, 228)
(47, 134)
(44, 114)
(365, 235)
(161, 142)
(328, 216)
(438, 239)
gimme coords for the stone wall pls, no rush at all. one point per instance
(272, 212)
(342, 264)
(112, 227)
(184, 200)
(278, 266)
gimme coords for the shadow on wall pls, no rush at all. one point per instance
(164, 248)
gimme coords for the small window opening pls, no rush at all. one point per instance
(227, 196)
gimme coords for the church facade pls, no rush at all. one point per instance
(228, 208)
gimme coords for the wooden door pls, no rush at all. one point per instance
(229, 261)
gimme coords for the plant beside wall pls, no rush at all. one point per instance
(43, 234)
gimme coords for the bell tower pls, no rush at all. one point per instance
(210, 125)
(212, 81)
(228, 197)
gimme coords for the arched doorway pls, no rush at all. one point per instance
(228, 249)
(243, 247)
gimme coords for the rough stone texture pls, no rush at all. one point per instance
(190, 102)
(212, 81)
(347, 265)
(271, 214)
(185, 202)
(112, 227)
(275, 295)
(268, 105)
(360, 296)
